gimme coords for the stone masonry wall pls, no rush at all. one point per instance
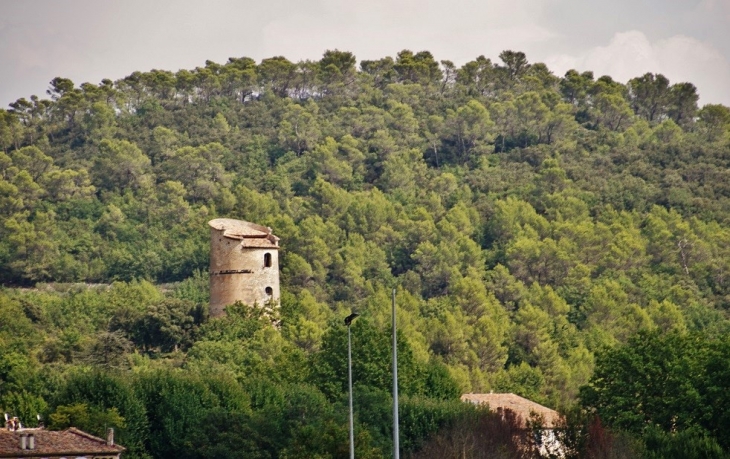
(238, 273)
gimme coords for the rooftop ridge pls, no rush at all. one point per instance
(81, 433)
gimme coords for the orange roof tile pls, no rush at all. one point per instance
(51, 443)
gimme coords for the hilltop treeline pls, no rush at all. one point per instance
(528, 222)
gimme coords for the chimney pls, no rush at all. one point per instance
(31, 441)
(110, 437)
(23, 441)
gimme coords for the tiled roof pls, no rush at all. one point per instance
(520, 405)
(69, 442)
(259, 243)
(240, 229)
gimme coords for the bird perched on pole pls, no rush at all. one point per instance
(350, 318)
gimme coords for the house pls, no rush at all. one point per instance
(71, 443)
(531, 415)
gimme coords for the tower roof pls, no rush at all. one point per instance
(243, 230)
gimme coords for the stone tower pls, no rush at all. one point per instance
(244, 264)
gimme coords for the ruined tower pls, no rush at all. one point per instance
(244, 264)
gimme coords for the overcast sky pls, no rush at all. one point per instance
(88, 40)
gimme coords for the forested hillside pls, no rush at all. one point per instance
(528, 221)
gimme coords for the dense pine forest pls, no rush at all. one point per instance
(562, 238)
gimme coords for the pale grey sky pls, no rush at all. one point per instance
(88, 40)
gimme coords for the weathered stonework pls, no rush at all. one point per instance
(244, 264)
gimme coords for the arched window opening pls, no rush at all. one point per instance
(269, 291)
(267, 260)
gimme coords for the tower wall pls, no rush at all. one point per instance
(238, 265)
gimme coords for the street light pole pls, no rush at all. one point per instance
(348, 322)
(349, 383)
(396, 436)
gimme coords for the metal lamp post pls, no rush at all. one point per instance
(396, 436)
(348, 322)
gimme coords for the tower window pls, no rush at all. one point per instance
(267, 260)
(269, 291)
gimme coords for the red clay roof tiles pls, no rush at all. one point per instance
(50, 443)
